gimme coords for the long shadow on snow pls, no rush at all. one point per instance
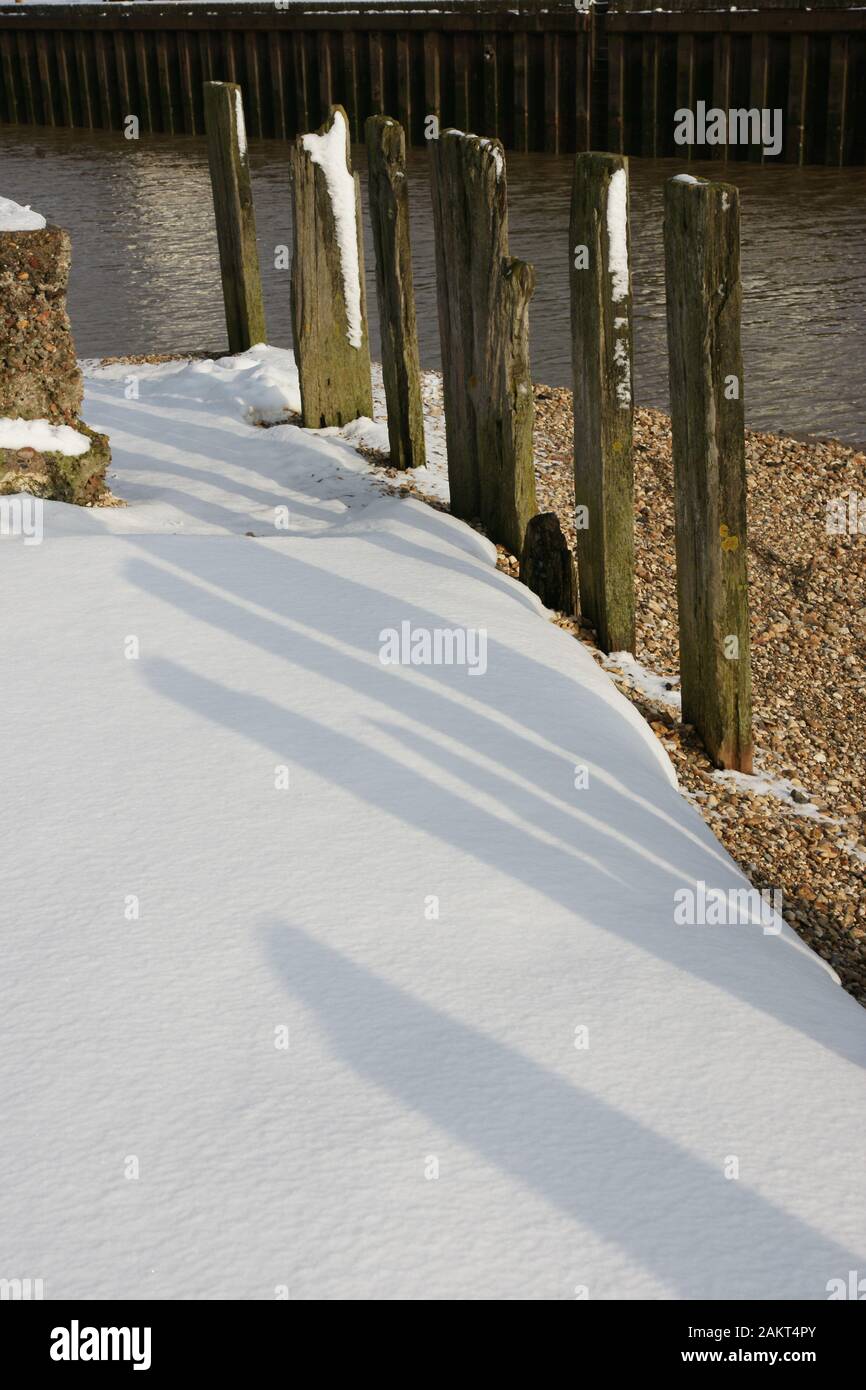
(590, 1161)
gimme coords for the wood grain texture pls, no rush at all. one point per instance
(702, 267)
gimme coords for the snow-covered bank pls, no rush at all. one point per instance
(226, 818)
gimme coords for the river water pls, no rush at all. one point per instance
(146, 274)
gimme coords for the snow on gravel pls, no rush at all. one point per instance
(363, 980)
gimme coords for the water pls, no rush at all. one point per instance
(146, 276)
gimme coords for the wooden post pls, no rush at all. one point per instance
(483, 297)
(329, 310)
(602, 367)
(389, 213)
(546, 564)
(235, 217)
(702, 269)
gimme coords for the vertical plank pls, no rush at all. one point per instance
(490, 58)
(104, 80)
(253, 88)
(798, 94)
(163, 76)
(432, 75)
(388, 196)
(351, 83)
(300, 68)
(278, 84)
(404, 81)
(185, 73)
(82, 71)
(121, 68)
(722, 74)
(8, 67)
(838, 128)
(326, 71)
(702, 272)
(206, 56)
(601, 340)
(650, 133)
(759, 82)
(46, 81)
(582, 90)
(26, 78)
(520, 62)
(483, 302)
(552, 93)
(64, 61)
(462, 109)
(685, 83)
(377, 73)
(231, 41)
(616, 93)
(235, 215)
(329, 318)
(145, 97)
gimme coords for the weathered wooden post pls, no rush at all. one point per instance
(603, 411)
(483, 298)
(702, 268)
(546, 564)
(329, 307)
(235, 217)
(389, 214)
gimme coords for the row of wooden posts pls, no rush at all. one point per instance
(483, 303)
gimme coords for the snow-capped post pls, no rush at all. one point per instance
(389, 214)
(483, 298)
(46, 449)
(702, 271)
(235, 216)
(329, 309)
(601, 352)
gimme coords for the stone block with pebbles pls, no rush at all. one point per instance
(45, 448)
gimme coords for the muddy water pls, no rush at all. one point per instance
(146, 279)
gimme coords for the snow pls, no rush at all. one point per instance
(42, 436)
(240, 124)
(228, 825)
(15, 218)
(329, 152)
(617, 234)
(661, 689)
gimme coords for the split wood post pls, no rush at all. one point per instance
(483, 298)
(235, 217)
(601, 338)
(389, 213)
(702, 270)
(329, 307)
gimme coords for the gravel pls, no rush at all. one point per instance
(799, 825)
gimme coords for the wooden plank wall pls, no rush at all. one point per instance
(540, 76)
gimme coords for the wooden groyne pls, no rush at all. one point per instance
(539, 74)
